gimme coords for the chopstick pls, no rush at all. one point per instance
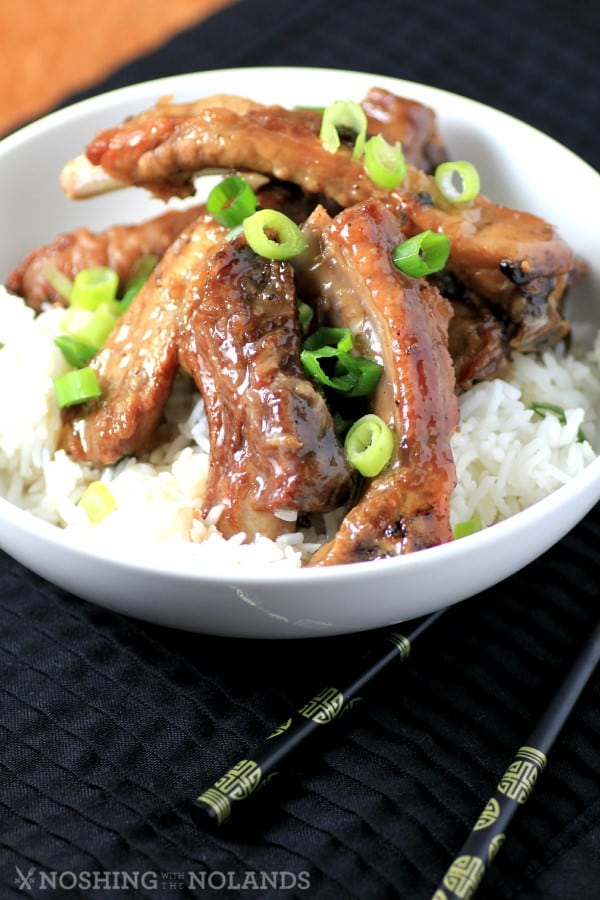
(466, 872)
(215, 805)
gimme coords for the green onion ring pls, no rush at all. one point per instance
(76, 386)
(290, 240)
(61, 283)
(231, 201)
(542, 408)
(344, 114)
(422, 254)
(354, 376)
(76, 352)
(139, 276)
(384, 162)
(305, 314)
(91, 326)
(369, 445)
(457, 182)
(463, 529)
(98, 501)
(93, 286)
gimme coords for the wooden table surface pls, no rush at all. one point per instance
(52, 48)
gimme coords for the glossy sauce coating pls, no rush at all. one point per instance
(401, 322)
(273, 443)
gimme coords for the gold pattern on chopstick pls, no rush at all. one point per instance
(439, 895)
(218, 802)
(350, 705)
(519, 779)
(401, 642)
(237, 784)
(281, 729)
(488, 816)
(324, 707)
(464, 875)
(495, 845)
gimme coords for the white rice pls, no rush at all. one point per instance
(507, 457)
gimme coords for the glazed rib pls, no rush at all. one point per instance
(273, 443)
(401, 323)
(118, 247)
(138, 362)
(515, 261)
(165, 147)
(413, 124)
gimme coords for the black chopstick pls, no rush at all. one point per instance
(215, 805)
(463, 877)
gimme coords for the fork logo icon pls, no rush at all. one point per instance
(24, 881)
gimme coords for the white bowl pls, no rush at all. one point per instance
(519, 166)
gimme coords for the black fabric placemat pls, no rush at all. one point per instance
(110, 725)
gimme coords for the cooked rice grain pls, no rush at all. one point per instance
(507, 456)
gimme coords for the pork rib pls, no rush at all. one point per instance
(401, 323)
(138, 362)
(165, 147)
(413, 124)
(118, 247)
(273, 443)
(514, 260)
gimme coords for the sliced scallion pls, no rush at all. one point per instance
(353, 376)
(91, 326)
(384, 162)
(98, 501)
(231, 201)
(305, 314)
(369, 445)
(76, 352)
(139, 275)
(76, 386)
(422, 254)
(457, 182)
(344, 115)
(542, 408)
(470, 526)
(61, 283)
(93, 286)
(288, 242)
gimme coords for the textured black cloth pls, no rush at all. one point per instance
(110, 725)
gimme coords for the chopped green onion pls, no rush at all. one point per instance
(344, 114)
(354, 376)
(98, 501)
(231, 201)
(91, 326)
(385, 163)
(542, 408)
(76, 386)
(93, 286)
(457, 182)
(61, 283)
(305, 314)
(329, 337)
(422, 254)
(462, 529)
(290, 240)
(369, 445)
(139, 276)
(77, 353)
(319, 109)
